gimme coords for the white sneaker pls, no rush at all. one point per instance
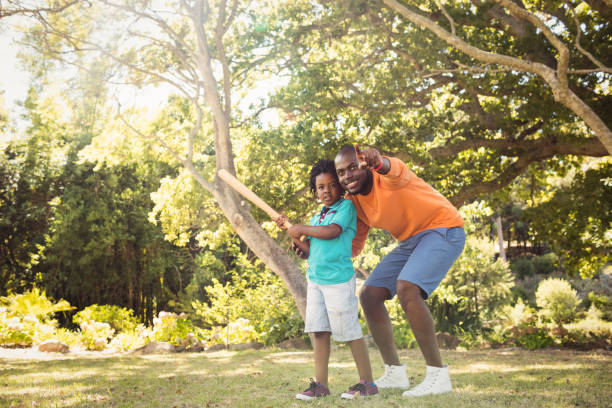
(437, 381)
(394, 377)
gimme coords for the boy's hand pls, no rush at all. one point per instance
(369, 158)
(281, 221)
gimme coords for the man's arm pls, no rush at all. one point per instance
(301, 248)
(360, 237)
(394, 170)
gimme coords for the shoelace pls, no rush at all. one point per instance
(313, 386)
(358, 387)
(425, 385)
(385, 378)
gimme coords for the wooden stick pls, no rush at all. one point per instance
(248, 194)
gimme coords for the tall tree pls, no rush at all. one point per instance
(558, 30)
(360, 70)
(205, 52)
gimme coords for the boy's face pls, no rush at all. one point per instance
(352, 178)
(328, 189)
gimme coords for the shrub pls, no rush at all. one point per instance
(239, 331)
(131, 339)
(25, 319)
(545, 264)
(34, 303)
(172, 328)
(474, 290)
(535, 338)
(602, 303)
(557, 300)
(522, 267)
(261, 299)
(120, 319)
(95, 335)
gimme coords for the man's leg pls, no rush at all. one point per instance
(372, 300)
(420, 320)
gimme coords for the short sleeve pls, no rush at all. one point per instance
(345, 216)
(399, 173)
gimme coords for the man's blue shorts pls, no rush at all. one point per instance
(423, 259)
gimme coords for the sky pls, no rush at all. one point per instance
(13, 78)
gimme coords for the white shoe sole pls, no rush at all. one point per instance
(387, 387)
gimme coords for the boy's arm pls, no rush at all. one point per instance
(330, 231)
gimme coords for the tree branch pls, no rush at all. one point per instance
(557, 83)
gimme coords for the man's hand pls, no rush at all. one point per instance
(281, 221)
(295, 231)
(368, 158)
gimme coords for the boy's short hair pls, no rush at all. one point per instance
(320, 167)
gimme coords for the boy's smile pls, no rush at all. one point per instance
(328, 188)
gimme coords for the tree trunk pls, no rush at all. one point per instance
(263, 246)
(500, 237)
(256, 238)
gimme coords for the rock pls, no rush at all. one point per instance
(195, 349)
(447, 341)
(99, 344)
(53, 346)
(253, 345)
(155, 347)
(299, 344)
(216, 347)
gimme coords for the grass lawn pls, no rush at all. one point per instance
(271, 378)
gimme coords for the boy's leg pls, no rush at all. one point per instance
(362, 359)
(317, 324)
(321, 356)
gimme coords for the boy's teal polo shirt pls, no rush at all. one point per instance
(329, 261)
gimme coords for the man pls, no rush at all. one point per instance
(429, 229)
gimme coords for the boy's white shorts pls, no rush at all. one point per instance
(333, 308)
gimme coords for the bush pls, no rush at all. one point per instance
(535, 338)
(131, 339)
(261, 299)
(602, 303)
(557, 300)
(522, 267)
(474, 290)
(120, 319)
(239, 331)
(173, 328)
(95, 335)
(25, 319)
(545, 264)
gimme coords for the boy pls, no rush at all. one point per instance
(331, 304)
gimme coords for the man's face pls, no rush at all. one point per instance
(351, 177)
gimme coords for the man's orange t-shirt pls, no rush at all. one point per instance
(403, 204)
